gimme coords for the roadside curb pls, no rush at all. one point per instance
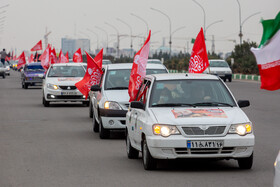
(234, 76)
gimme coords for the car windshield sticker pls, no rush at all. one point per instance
(69, 79)
(192, 113)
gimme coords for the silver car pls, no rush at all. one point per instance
(2, 70)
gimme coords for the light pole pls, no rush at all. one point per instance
(170, 34)
(241, 34)
(212, 24)
(130, 28)
(96, 37)
(106, 37)
(240, 26)
(147, 26)
(204, 18)
(118, 37)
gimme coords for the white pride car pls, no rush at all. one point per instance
(188, 116)
(59, 83)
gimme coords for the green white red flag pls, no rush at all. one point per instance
(268, 55)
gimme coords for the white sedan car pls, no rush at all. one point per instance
(59, 83)
(188, 116)
(276, 182)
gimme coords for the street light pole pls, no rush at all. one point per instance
(204, 18)
(213, 24)
(96, 37)
(106, 37)
(170, 34)
(240, 26)
(118, 37)
(241, 34)
(130, 28)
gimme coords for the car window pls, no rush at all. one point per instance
(117, 79)
(66, 71)
(193, 92)
(154, 62)
(155, 71)
(218, 63)
(34, 68)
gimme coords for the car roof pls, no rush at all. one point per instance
(129, 66)
(68, 64)
(176, 76)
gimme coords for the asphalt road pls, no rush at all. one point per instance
(55, 146)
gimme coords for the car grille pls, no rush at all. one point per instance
(212, 130)
(225, 150)
(68, 87)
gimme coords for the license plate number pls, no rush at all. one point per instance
(68, 93)
(204, 144)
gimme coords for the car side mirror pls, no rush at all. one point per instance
(243, 103)
(137, 104)
(95, 88)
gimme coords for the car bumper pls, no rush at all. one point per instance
(175, 146)
(113, 119)
(33, 80)
(58, 96)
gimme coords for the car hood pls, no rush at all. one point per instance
(193, 116)
(66, 81)
(120, 96)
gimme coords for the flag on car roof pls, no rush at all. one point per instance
(67, 56)
(62, 58)
(31, 58)
(53, 58)
(38, 46)
(92, 76)
(138, 71)
(77, 57)
(45, 58)
(268, 54)
(199, 59)
(21, 60)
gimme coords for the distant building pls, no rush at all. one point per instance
(72, 45)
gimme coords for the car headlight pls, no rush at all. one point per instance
(241, 129)
(165, 130)
(52, 86)
(112, 105)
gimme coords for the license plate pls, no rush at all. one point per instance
(68, 93)
(204, 144)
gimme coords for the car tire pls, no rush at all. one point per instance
(95, 126)
(25, 86)
(245, 163)
(90, 110)
(229, 79)
(22, 85)
(132, 153)
(103, 133)
(45, 103)
(149, 162)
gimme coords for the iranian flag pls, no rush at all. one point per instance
(199, 59)
(268, 55)
(138, 71)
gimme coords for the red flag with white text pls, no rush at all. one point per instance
(77, 57)
(31, 58)
(21, 60)
(92, 76)
(62, 58)
(138, 71)
(38, 46)
(45, 58)
(199, 59)
(67, 56)
(98, 58)
(53, 58)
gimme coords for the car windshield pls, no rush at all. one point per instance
(196, 92)
(66, 71)
(154, 62)
(218, 64)
(34, 68)
(119, 79)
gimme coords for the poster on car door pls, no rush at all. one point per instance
(192, 113)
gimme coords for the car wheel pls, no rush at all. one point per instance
(90, 110)
(95, 126)
(149, 162)
(230, 79)
(132, 153)
(103, 133)
(22, 85)
(246, 163)
(45, 103)
(25, 86)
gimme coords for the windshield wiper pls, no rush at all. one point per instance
(117, 88)
(173, 104)
(212, 104)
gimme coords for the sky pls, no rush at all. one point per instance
(26, 21)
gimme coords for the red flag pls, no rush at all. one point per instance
(31, 58)
(38, 46)
(199, 60)
(77, 57)
(45, 58)
(92, 76)
(138, 71)
(98, 58)
(21, 60)
(67, 56)
(53, 58)
(62, 58)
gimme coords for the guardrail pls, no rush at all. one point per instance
(234, 76)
